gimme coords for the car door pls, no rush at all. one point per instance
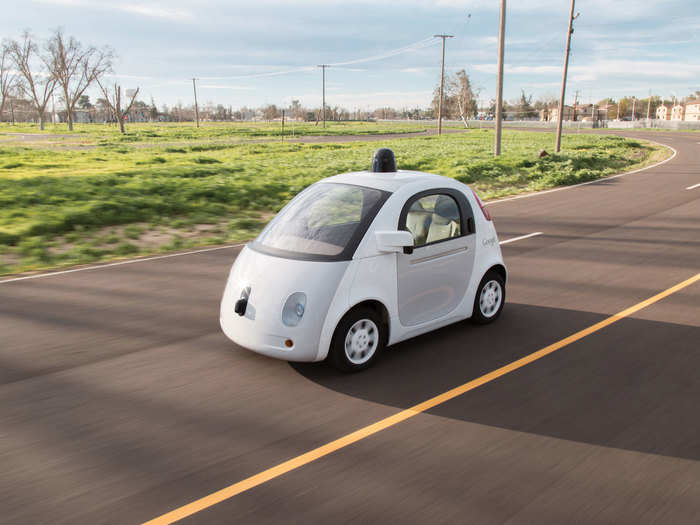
(434, 275)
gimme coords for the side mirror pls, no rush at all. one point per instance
(393, 241)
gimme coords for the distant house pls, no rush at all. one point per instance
(84, 116)
(19, 109)
(511, 114)
(678, 112)
(586, 112)
(605, 111)
(140, 114)
(663, 112)
(568, 113)
(692, 110)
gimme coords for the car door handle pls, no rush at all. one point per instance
(439, 255)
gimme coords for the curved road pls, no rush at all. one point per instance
(120, 399)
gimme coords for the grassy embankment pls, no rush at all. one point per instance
(63, 206)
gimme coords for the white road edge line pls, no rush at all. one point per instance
(119, 263)
(694, 185)
(591, 181)
(521, 237)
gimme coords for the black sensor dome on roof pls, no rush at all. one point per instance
(383, 161)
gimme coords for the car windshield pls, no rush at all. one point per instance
(325, 220)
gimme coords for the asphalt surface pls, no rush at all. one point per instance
(121, 400)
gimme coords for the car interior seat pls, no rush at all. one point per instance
(418, 222)
(445, 220)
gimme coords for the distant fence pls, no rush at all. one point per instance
(654, 124)
(611, 124)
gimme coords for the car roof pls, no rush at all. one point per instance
(387, 181)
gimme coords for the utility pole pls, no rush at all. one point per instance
(634, 107)
(196, 108)
(575, 104)
(323, 67)
(499, 89)
(560, 118)
(442, 80)
(649, 107)
(282, 125)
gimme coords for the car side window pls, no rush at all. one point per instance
(433, 218)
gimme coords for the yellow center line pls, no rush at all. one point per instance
(353, 437)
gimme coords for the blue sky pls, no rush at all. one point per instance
(621, 47)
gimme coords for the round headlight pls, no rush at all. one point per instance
(294, 308)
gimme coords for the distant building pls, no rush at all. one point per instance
(606, 111)
(568, 113)
(21, 110)
(678, 112)
(692, 110)
(139, 114)
(586, 112)
(511, 114)
(663, 112)
(84, 116)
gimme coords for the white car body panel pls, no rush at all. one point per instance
(261, 328)
(433, 279)
(334, 288)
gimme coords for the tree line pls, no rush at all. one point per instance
(36, 70)
(33, 71)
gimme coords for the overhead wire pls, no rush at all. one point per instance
(415, 46)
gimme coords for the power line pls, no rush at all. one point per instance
(416, 46)
(421, 44)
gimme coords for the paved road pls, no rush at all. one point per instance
(120, 399)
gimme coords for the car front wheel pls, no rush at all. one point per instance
(357, 341)
(489, 300)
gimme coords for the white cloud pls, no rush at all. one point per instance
(217, 86)
(643, 69)
(516, 70)
(151, 10)
(602, 69)
(372, 99)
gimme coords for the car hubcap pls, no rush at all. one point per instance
(361, 341)
(490, 298)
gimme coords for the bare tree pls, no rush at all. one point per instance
(74, 67)
(524, 106)
(113, 99)
(461, 98)
(33, 68)
(270, 112)
(8, 79)
(467, 97)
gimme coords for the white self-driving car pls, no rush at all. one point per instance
(360, 261)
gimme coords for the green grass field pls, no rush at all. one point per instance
(62, 206)
(150, 133)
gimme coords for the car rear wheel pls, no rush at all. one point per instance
(489, 300)
(358, 339)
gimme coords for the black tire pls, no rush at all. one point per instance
(485, 311)
(373, 333)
